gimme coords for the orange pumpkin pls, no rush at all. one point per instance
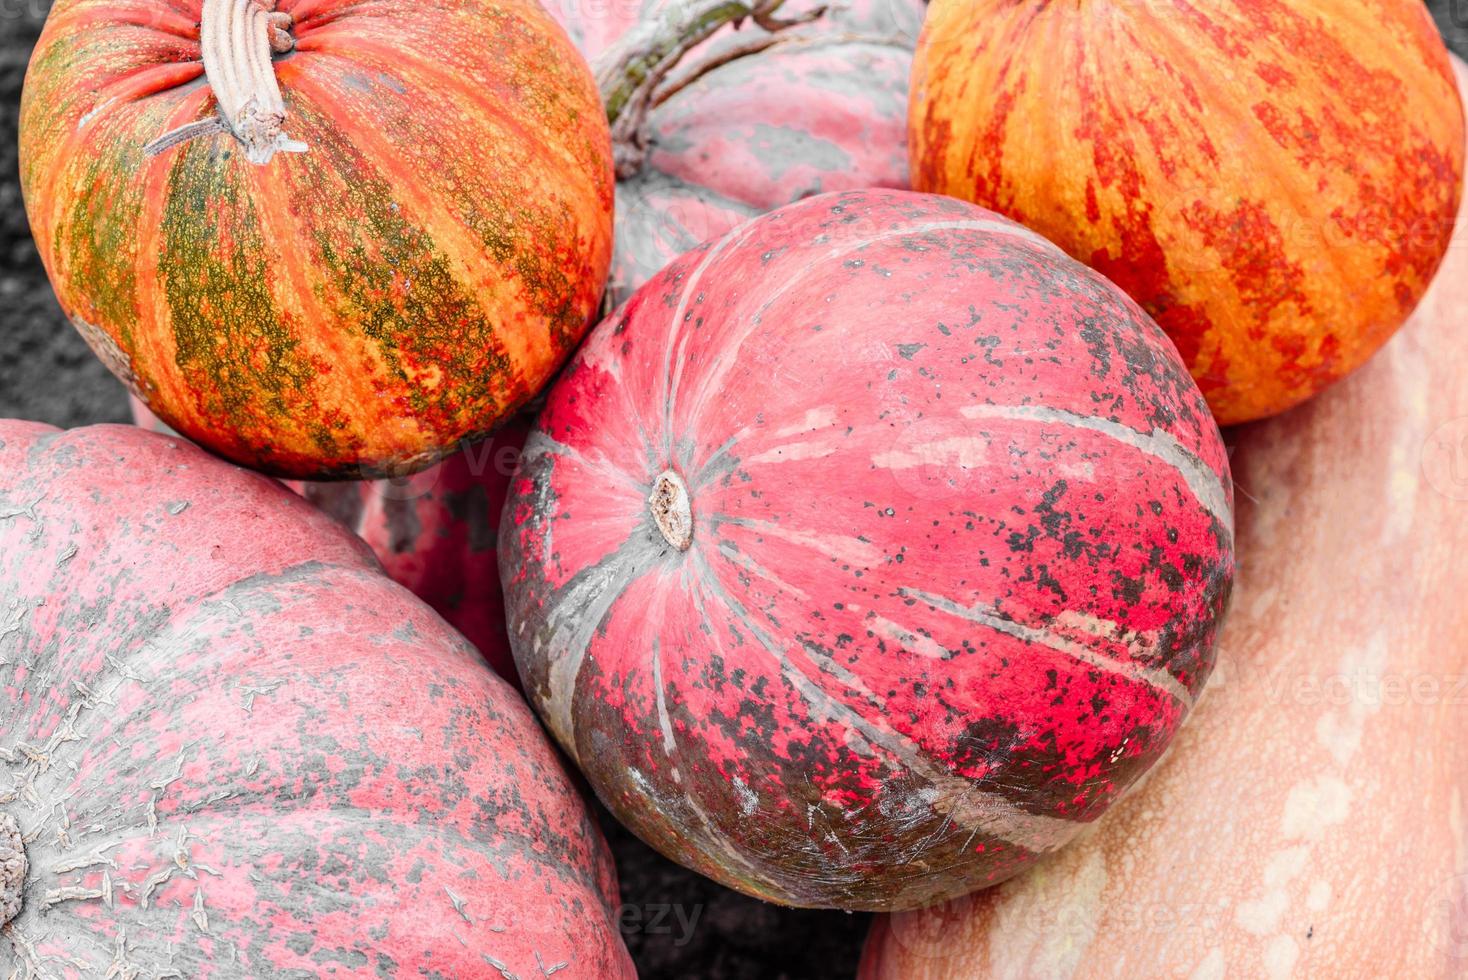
(1309, 820)
(1274, 181)
(346, 261)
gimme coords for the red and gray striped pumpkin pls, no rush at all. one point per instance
(869, 552)
(407, 282)
(232, 747)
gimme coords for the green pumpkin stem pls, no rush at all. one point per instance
(630, 74)
(764, 42)
(237, 39)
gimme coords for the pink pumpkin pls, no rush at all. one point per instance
(824, 109)
(869, 552)
(235, 748)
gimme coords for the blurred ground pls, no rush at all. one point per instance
(676, 923)
(46, 372)
(1452, 20)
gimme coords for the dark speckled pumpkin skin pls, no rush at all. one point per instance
(236, 749)
(962, 539)
(407, 283)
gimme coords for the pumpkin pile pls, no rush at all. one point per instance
(875, 543)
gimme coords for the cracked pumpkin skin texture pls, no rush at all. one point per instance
(434, 531)
(961, 538)
(409, 281)
(1309, 820)
(235, 748)
(1275, 181)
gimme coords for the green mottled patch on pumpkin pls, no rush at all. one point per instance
(236, 349)
(100, 244)
(550, 260)
(541, 264)
(396, 286)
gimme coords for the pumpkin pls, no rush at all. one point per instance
(1274, 181)
(750, 121)
(1318, 790)
(435, 533)
(231, 746)
(338, 264)
(868, 553)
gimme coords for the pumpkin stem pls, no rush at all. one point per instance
(671, 510)
(237, 39)
(12, 868)
(764, 42)
(630, 73)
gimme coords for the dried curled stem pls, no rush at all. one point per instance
(630, 74)
(237, 39)
(764, 42)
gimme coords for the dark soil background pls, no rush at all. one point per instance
(676, 923)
